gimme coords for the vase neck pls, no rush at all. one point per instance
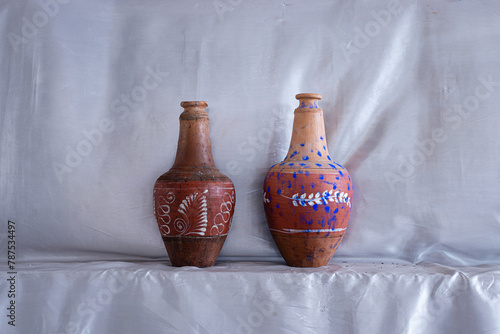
(308, 141)
(194, 148)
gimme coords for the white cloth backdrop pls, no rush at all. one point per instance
(89, 101)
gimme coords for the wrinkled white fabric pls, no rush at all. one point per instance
(258, 297)
(89, 106)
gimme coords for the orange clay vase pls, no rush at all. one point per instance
(193, 201)
(307, 197)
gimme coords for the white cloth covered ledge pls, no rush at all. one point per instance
(258, 297)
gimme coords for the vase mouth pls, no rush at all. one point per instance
(309, 96)
(199, 104)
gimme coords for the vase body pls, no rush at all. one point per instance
(193, 201)
(307, 197)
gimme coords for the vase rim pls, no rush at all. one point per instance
(200, 104)
(313, 96)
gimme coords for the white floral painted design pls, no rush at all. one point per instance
(194, 210)
(320, 198)
(224, 216)
(163, 211)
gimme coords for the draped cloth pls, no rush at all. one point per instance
(89, 107)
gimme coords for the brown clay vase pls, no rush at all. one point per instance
(193, 201)
(307, 197)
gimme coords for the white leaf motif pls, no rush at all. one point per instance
(194, 209)
(319, 198)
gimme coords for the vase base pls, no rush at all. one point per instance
(199, 252)
(306, 250)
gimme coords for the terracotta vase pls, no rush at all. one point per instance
(307, 197)
(193, 201)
